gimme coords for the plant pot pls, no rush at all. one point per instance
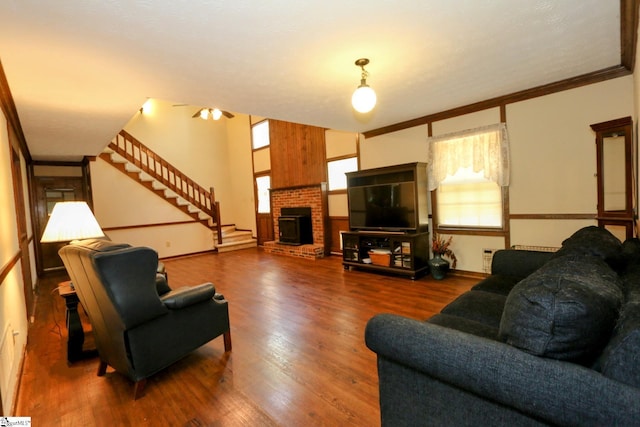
(438, 266)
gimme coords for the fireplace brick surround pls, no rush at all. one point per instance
(313, 196)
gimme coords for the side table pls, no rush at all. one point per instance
(75, 339)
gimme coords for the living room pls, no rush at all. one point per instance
(553, 189)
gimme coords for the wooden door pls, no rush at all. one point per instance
(49, 191)
(264, 217)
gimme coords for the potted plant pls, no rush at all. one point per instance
(441, 248)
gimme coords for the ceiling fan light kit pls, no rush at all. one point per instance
(214, 113)
(364, 98)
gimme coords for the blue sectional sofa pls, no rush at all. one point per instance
(546, 339)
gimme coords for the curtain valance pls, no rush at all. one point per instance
(482, 149)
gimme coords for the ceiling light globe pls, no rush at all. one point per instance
(363, 99)
(216, 114)
(204, 114)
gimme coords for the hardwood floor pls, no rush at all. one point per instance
(298, 357)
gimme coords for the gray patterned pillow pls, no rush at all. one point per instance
(566, 310)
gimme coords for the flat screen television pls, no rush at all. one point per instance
(384, 207)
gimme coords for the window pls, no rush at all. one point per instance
(263, 184)
(260, 135)
(468, 199)
(337, 170)
(467, 170)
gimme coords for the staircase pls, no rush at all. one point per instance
(139, 163)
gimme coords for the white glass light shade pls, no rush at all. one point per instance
(363, 99)
(204, 113)
(71, 221)
(216, 114)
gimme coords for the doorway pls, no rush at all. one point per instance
(49, 191)
(264, 219)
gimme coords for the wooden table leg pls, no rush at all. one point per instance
(75, 339)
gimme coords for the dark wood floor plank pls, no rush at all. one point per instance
(298, 358)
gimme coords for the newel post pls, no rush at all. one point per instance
(215, 211)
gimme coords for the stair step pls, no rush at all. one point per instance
(228, 229)
(145, 177)
(236, 236)
(234, 246)
(118, 161)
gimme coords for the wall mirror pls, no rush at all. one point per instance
(614, 153)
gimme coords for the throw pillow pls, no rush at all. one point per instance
(565, 310)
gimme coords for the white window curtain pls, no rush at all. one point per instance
(483, 149)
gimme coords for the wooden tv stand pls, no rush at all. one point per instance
(408, 253)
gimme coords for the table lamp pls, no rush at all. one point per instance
(71, 221)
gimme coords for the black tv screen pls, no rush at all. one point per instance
(382, 207)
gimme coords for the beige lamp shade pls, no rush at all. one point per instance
(71, 221)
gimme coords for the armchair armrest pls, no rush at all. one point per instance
(188, 295)
(555, 391)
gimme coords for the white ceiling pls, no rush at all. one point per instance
(79, 70)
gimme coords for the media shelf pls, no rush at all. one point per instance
(388, 220)
(406, 254)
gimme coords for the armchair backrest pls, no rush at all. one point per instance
(116, 284)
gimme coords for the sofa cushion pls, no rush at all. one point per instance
(517, 262)
(463, 324)
(620, 359)
(595, 241)
(566, 310)
(479, 306)
(630, 250)
(498, 284)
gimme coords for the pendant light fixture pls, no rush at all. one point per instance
(364, 98)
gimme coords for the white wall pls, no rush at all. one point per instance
(396, 148)
(553, 160)
(13, 313)
(243, 209)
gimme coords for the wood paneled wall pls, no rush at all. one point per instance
(336, 225)
(298, 154)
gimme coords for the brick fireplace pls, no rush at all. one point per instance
(313, 196)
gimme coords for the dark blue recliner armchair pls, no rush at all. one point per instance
(140, 324)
